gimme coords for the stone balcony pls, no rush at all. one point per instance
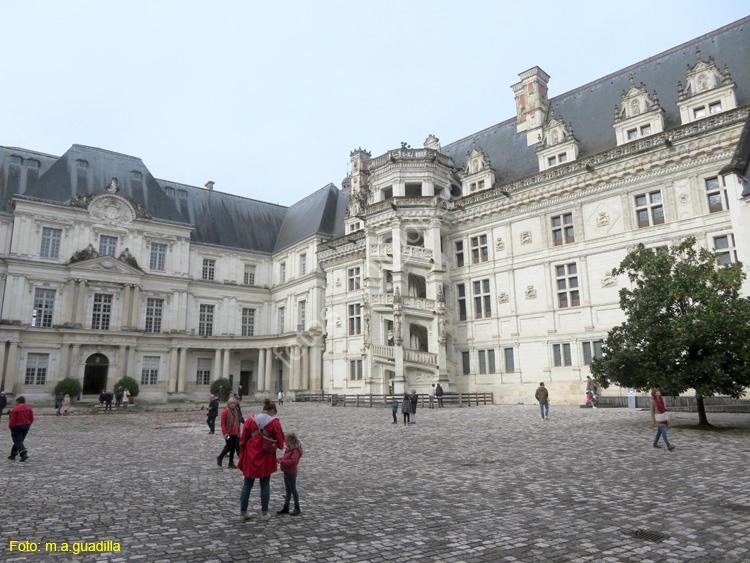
(408, 252)
(417, 357)
(383, 351)
(407, 301)
(383, 250)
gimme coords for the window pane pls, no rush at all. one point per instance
(558, 355)
(655, 197)
(491, 360)
(466, 362)
(566, 354)
(482, 362)
(586, 353)
(640, 201)
(598, 349)
(510, 364)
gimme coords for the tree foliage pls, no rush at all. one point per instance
(127, 382)
(68, 386)
(221, 388)
(687, 327)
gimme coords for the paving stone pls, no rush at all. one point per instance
(490, 483)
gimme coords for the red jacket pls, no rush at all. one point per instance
(231, 431)
(290, 459)
(254, 462)
(20, 414)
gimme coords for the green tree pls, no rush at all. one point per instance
(127, 382)
(221, 388)
(687, 327)
(68, 386)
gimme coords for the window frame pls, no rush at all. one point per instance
(354, 317)
(203, 369)
(154, 315)
(44, 307)
(479, 249)
(51, 241)
(248, 277)
(206, 313)
(459, 246)
(730, 250)
(510, 367)
(355, 370)
(37, 365)
(561, 226)
(649, 207)
(591, 349)
(247, 320)
(567, 285)
(101, 311)
(209, 269)
(465, 363)
(150, 370)
(107, 245)
(482, 299)
(158, 258)
(461, 299)
(562, 355)
(354, 277)
(719, 191)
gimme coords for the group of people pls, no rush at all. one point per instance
(62, 404)
(256, 441)
(120, 396)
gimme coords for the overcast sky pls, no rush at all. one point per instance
(268, 98)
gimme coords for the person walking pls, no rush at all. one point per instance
(432, 395)
(406, 408)
(240, 391)
(213, 412)
(288, 464)
(439, 394)
(394, 409)
(126, 397)
(21, 419)
(66, 404)
(230, 429)
(660, 419)
(58, 403)
(280, 397)
(102, 397)
(255, 462)
(108, 401)
(542, 395)
(413, 400)
(3, 403)
(118, 396)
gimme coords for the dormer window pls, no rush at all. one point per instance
(31, 163)
(708, 90)
(17, 160)
(477, 173)
(632, 134)
(639, 114)
(714, 107)
(135, 175)
(82, 164)
(558, 145)
(169, 191)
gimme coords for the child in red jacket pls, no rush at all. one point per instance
(288, 464)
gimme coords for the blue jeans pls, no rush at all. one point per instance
(661, 431)
(18, 435)
(413, 417)
(265, 493)
(544, 408)
(290, 482)
(211, 421)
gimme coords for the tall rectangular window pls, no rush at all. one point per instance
(249, 278)
(50, 242)
(301, 315)
(281, 320)
(203, 373)
(561, 353)
(355, 278)
(482, 299)
(154, 311)
(102, 311)
(355, 319)
(107, 245)
(479, 252)
(459, 254)
(724, 245)
(206, 320)
(209, 268)
(591, 350)
(282, 272)
(717, 195)
(568, 294)
(302, 264)
(158, 256)
(461, 292)
(510, 363)
(355, 370)
(562, 229)
(466, 363)
(649, 209)
(486, 361)
(44, 306)
(36, 369)
(150, 370)
(248, 321)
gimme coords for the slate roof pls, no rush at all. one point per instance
(590, 108)
(15, 179)
(316, 214)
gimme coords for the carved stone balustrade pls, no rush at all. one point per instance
(420, 357)
(382, 250)
(419, 303)
(383, 351)
(382, 299)
(416, 252)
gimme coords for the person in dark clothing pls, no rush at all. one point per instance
(413, 400)
(240, 391)
(21, 418)
(230, 428)
(58, 403)
(108, 401)
(118, 396)
(406, 408)
(439, 395)
(3, 403)
(213, 412)
(238, 408)
(102, 397)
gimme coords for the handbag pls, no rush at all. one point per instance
(267, 443)
(661, 417)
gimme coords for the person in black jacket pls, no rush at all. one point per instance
(3, 403)
(439, 396)
(413, 400)
(213, 412)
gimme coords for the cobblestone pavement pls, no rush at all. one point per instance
(492, 483)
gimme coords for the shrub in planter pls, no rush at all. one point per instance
(68, 386)
(130, 384)
(221, 388)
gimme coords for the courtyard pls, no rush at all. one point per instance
(491, 483)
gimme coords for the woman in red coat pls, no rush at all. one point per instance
(256, 463)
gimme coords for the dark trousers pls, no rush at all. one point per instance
(290, 482)
(232, 445)
(440, 401)
(394, 417)
(108, 406)
(18, 435)
(118, 401)
(406, 418)
(211, 421)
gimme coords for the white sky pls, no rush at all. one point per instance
(268, 98)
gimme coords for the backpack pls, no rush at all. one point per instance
(267, 443)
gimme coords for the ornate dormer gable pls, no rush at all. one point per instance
(558, 143)
(477, 173)
(532, 103)
(359, 190)
(639, 114)
(707, 90)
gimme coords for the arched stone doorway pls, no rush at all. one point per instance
(95, 374)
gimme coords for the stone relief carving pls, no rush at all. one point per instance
(128, 258)
(609, 281)
(602, 219)
(111, 208)
(338, 282)
(683, 199)
(526, 237)
(499, 244)
(86, 254)
(503, 297)
(530, 292)
(112, 187)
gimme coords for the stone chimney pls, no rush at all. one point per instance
(532, 103)
(210, 185)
